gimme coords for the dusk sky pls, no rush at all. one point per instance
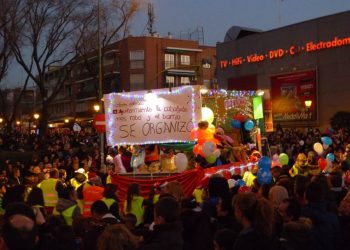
(217, 16)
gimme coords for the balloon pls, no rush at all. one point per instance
(181, 161)
(326, 140)
(283, 158)
(197, 150)
(211, 158)
(318, 148)
(249, 125)
(264, 163)
(208, 148)
(239, 117)
(322, 163)
(264, 176)
(331, 157)
(217, 153)
(207, 115)
(235, 123)
(301, 143)
(240, 183)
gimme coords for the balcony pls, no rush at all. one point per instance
(86, 94)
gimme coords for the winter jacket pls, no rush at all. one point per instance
(164, 237)
(64, 204)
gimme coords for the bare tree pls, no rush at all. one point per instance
(43, 41)
(115, 17)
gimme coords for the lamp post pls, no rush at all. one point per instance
(308, 104)
(100, 94)
(36, 117)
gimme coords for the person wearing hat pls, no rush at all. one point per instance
(79, 178)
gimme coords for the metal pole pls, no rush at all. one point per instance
(100, 82)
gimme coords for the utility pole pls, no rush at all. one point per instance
(100, 93)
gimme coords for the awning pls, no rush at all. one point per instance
(181, 72)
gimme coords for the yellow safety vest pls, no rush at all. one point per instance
(136, 209)
(197, 193)
(109, 202)
(49, 191)
(74, 183)
(155, 198)
(68, 215)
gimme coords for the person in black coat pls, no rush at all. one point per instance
(167, 232)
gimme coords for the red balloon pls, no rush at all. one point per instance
(322, 163)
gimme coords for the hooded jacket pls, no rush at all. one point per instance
(64, 204)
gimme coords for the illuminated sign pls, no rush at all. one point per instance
(279, 53)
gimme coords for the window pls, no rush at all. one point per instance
(136, 82)
(170, 79)
(82, 106)
(169, 60)
(185, 60)
(137, 58)
(185, 80)
(206, 63)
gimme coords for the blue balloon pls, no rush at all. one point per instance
(235, 123)
(331, 157)
(240, 183)
(264, 176)
(264, 163)
(249, 125)
(326, 140)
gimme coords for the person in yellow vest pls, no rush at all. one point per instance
(300, 167)
(67, 205)
(110, 198)
(134, 203)
(250, 176)
(50, 188)
(79, 178)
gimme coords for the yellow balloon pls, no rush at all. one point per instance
(207, 115)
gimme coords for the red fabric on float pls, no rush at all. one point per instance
(189, 179)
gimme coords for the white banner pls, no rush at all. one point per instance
(143, 117)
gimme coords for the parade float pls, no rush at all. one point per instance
(189, 128)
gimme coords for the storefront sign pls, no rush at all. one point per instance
(159, 116)
(292, 50)
(289, 93)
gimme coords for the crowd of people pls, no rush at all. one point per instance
(63, 198)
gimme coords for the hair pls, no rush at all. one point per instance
(110, 190)
(133, 190)
(298, 234)
(35, 197)
(19, 238)
(277, 194)
(315, 192)
(175, 189)
(168, 208)
(54, 173)
(257, 211)
(225, 238)
(293, 209)
(61, 172)
(336, 179)
(218, 187)
(66, 192)
(13, 194)
(265, 189)
(117, 237)
(99, 207)
(130, 220)
(300, 184)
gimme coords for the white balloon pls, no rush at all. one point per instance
(318, 148)
(217, 153)
(208, 148)
(325, 146)
(301, 143)
(181, 161)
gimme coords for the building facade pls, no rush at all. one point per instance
(134, 63)
(307, 61)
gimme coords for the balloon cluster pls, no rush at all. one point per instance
(280, 160)
(206, 142)
(264, 173)
(319, 148)
(238, 120)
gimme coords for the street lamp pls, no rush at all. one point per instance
(18, 123)
(66, 120)
(308, 104)
(36, 116)
(1, 120)
(97, 107)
